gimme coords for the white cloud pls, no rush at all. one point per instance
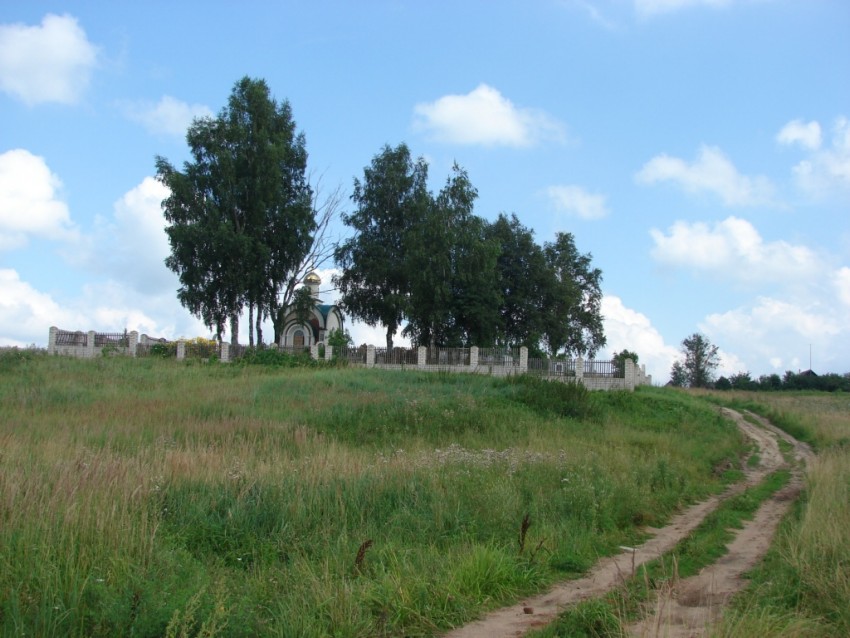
(131, 245)
(797, 132)
(29, 205)
(25, 313)
(774, 335)
(826, 169)
(733, 248)
(52, 62)
(654, 7)
(484, 117)
(842, 285)
(631, 330)
(169, 116)
(575, 201)
(711, 172)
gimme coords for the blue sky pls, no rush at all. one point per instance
(699, 149)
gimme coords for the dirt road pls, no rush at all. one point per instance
(702, 598)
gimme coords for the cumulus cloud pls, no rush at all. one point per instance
(169, 116)
(711, 172)
(29, 202)
(733, 248)
(825, 169)
(631, 330)
(485, 117)
(654, 7)
(130, 245)
(575, 201)
(26, 313)
(52, 62)
(807, 135)
(774, 334)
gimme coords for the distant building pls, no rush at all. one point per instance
(325, 317)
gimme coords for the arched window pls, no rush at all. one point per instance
(298, 338)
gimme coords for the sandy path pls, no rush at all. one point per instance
(689, 607)
(609, 572)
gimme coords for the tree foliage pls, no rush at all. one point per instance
(375, 282)
(619, 359)
(701, 360)
(242, 224)
(455, 279)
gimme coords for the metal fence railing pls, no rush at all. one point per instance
(603, 369)
(396, 356)
(67, 338)
(447, 357)
(552, 367)
(507, 357)
(356, 356)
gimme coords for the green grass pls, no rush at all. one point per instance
(155, 497)
(704, 546)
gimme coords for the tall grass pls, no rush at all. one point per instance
(803, 586)
(155, 497)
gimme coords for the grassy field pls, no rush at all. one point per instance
(803, 587)
(150, 497)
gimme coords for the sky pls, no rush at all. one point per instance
(698, 149)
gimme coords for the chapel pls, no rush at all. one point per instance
(324, 318)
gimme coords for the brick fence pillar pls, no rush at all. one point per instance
(370, 356)
(133, 343)
(523, 360)
(181, 349)
(224, 357)
(473, 357)
(580, 370)
(421, 356)
(51, 340)
(90, 345)
(631, 373)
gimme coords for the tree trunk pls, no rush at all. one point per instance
(390, 333)
(234, 330)
(251, 324)
(259, 325)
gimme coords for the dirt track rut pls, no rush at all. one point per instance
(702, 598)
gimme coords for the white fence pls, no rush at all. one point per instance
(595, 375)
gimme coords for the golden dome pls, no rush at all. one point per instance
(312, 279)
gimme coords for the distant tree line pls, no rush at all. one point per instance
(701, 358)
(245, 226)
(807, 380)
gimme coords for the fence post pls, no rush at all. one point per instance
(631, 373)
(473, 357)
(51, 340)
(224, 357)
(133, 343)
(181, 349)
(90, 345)
(314, 351)
(421, 356)
(523, 360)
(580, 370)
(370, 356)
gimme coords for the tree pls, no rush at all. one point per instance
(701, 360)
(678, 375)
(619, 359)
(572, 319)
(521, 281)
(451, 265)
(375, 283)
(241, 215)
